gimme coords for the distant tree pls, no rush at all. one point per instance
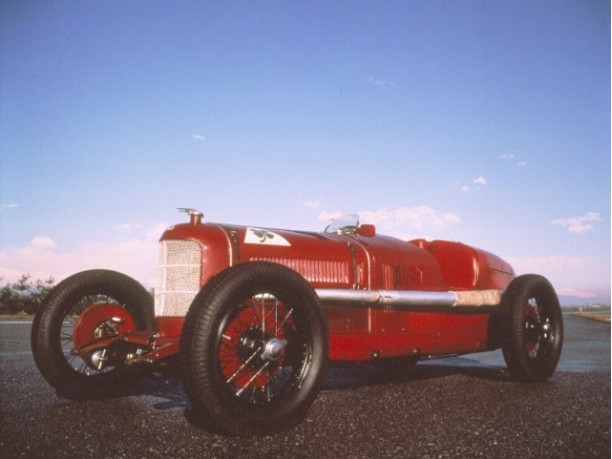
(25, 295)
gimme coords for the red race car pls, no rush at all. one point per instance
(251, 317)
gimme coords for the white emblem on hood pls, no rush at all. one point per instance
(265, 237)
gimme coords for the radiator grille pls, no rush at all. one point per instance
(178, 277)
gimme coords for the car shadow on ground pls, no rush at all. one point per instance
(352, 375)
(169, 394)
(345, 375)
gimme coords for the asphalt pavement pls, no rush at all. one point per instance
(456, 407)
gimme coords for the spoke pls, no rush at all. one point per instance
(83, 368)
(546, 329)
(286, 317)
(260, 321)
(536, 308)
(240, 320)
(276, 317)
(263, 318)
(253, 377)
(536, 349)
(247, 361)
(255, 313)
(260, 312)
(268, 393)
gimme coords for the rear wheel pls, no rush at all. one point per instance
(86, 306)
(254, 349)
(533, 328)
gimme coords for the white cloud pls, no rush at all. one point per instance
(327, 216)
(511, 158)
(577, 225)
(376, 81)
(136, 258)
(478, 182)
(128, 227)
(404, 219)
(43, 243)
(9, 206)
(199, 137)
(154, 232)
(138, 230)
(133, 252)
(313, 203)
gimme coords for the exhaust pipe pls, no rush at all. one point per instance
(406, 299)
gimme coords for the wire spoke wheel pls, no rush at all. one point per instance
(254, 349)
(82, 308)
(261, 353)
(539, 334)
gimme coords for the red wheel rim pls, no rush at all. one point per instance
(256, 326)
(89, 324)
(532, 327)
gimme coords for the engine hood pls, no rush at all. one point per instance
(326, 260)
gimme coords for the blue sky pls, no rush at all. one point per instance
(485, 122)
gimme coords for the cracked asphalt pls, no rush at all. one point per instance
(457, 407)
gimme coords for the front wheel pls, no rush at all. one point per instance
(254, 349)
(533, 328)
(84, 307)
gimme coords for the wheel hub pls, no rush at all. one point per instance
(250, 342)
(257, 349)
(99, 359)
(532, 330)
(273, 349)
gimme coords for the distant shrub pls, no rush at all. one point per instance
(25, 295)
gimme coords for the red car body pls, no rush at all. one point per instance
(354, 260)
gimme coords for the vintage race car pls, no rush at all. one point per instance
(250, 317)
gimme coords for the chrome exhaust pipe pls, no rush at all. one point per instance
(409, 298)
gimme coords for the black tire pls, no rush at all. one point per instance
(53, 332)
(254, 349)
(532, 335)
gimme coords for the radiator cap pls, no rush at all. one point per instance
(195, 216)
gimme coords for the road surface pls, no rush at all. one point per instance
(458, 407)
